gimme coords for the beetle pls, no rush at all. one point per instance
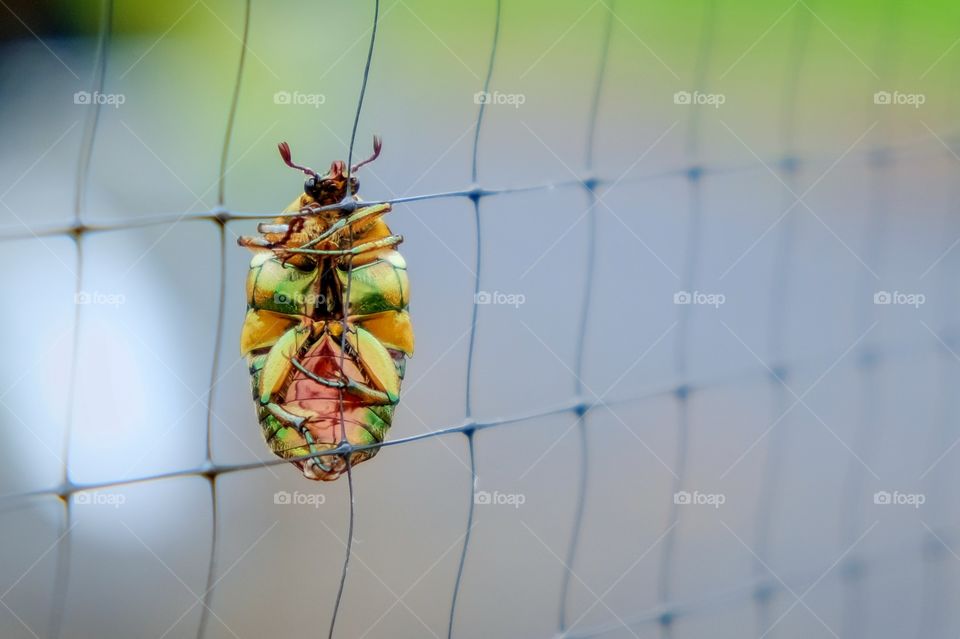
(327, 330)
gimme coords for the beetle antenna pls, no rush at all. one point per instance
(377, 145)
(285, 154)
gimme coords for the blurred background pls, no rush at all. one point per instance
(767, 426)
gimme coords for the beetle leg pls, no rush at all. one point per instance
(370, 394)
(392, 240)
(277, 366)
(300, 424)
(372, 211)
(285, 416)
(332, 383)
(285, 230)
(363, 391)
(268, 227)
(254, 242)
(263, 243)
(313, 450)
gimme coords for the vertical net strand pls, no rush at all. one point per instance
(471, 345)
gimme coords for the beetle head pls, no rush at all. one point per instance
(333, 186)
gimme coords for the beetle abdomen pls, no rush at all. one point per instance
(321, 403)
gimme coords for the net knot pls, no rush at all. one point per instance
(64, 490)
(347, 204)
(779, 373)
(853, 569)
(869, 357)
(475, 192)
(790, 164)
(208, 469)
(763, 593)
(221, 215)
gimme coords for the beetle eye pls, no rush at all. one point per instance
(310, 184)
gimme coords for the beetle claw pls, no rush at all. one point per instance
(283, 255)
(316, 463)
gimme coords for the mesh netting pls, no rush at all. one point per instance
(583, 403)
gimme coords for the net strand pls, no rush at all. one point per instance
(21, 232)
(207, 599)
(691, 251)
(589, 188)
(61, 584)
(208, 458)
(215, 516)
(471, 506)
(778, 315)
(472, 343)
(669, 609)
(232, 110)
(907, 352)
(720, 600)
(345, 327)
(869, 423)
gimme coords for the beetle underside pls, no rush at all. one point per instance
(327, 331)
